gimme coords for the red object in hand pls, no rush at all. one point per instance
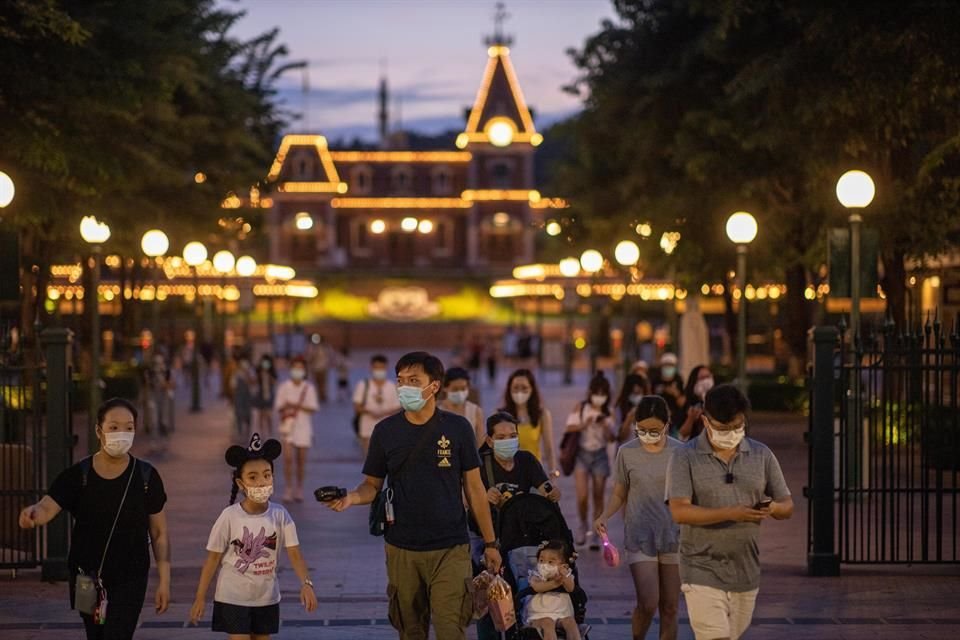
(610, 553)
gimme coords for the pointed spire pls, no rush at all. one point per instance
(499, 38)
(383, 116)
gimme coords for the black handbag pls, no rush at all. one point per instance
(382, 503)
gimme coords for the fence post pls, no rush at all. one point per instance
(822, 559)
(56, 345)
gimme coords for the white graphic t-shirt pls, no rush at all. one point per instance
(250, 544)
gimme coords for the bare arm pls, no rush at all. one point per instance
(550, 451)
(39, 514)
(307, 596)
(480, 507)
(542, 586)
(206, 576)
(782, 509)
(617, 499)
(685, 512)
(160, 540)
(365, 493)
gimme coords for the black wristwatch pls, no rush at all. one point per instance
(492, 545)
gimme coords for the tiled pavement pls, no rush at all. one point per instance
(347, 564)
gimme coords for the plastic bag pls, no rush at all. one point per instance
(480, 590)
(502, 610)
(611, 554)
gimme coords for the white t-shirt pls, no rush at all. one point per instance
(381, 400)
(290, 393)
(594, 437)
(250, 544)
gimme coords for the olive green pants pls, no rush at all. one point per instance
(426, 587)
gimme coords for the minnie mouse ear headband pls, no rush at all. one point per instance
(236, 455)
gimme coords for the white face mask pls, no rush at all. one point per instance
(458, 397)
(259, 494)
(702, 386)
(598, 400)
(546, 571)
(298, 374)
(726, 439)
(520, 397)
(379, 374)
(117, 443)
(651, 439)
(635, 398)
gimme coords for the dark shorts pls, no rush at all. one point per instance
(232, 618)
(596, 463)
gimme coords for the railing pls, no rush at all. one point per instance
(885, 448)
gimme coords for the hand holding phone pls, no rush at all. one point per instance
(763, 504)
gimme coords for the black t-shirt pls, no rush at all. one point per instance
(428, 493)
(93, 509)
(527, 472)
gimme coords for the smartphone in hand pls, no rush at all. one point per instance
(763, 504)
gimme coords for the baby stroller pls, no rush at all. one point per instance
(525, 521)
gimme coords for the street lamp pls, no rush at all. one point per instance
(94, 233)
(627, 253)
(855, 191)
(246, 266)
(154, 244)
(591, 261)
(223, 263)
(742, 229)
(7, 190)
(569, 268)
(195, 254)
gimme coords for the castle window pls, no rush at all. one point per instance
(501, 175)
(442, 181)
(402, 178)
(361, 178)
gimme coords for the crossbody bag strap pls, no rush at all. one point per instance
(427, 431)
(488, 466)
(114, 527)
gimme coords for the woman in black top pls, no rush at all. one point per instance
(92, 491)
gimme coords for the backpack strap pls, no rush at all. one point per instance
(144, 468)
(488, 467)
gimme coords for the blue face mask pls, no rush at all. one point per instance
(411, 398)
(506, 449)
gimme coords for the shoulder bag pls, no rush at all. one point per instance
(569, 448)
(91, 595)
(381, 509)
(288, 417)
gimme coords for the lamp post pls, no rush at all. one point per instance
(94, 233)
(627, 254)
(7, 190)
(742, 229)
(855, 190)
(569, 268)
(195, 254)
(154, 244)
(246, 266)
(591, 261)
(223, 263)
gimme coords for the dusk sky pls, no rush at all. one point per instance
(433, 51)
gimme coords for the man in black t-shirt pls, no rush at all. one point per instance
(430, 458)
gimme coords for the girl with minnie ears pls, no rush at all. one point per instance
(245, 543)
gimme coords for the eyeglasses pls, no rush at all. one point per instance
(649, 432)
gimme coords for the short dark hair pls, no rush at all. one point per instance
(455, 373)
(115, 403)
(724, 402)
(653, 407)
(430, 363)
(379, 358)
(560, 546)
(298, 360)
(498, 418)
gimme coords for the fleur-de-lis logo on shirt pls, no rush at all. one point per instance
(443, 442)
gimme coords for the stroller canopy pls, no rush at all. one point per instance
(527, 519)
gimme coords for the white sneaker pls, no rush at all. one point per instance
(581, 537)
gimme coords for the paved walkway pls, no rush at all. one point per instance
(347, 564)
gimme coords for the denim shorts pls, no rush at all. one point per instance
(596, 463)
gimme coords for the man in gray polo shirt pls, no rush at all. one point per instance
(720, 487)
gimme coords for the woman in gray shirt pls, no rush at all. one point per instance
(650, 535)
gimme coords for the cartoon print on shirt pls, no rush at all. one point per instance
(250, 549)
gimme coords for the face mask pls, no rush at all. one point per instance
(726, 439)
(298, 374)
(702, 386)
(265, 365)
(650, 439)
(668, 372)
(379, 374)
(259, 494)
(635, 398)
(506, 449)
(411, 398)
(520, 397)
(546, 571)
(117, 443)
(598, 400)
(458, 397)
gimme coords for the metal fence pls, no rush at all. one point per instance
(884, 448)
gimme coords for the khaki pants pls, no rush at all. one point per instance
(426, 587)
(718, 614)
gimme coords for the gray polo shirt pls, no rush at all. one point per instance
(724, 555)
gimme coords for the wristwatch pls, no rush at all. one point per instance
(492, 545)
(308, 583)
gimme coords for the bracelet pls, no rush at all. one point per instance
(307, 583)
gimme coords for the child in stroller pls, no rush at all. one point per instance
(552, 583)
(524, 522)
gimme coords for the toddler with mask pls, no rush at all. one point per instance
(245, 543)
(553, 582)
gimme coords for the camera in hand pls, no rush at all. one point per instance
(329, 494)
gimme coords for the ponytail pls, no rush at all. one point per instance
(234, 487)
